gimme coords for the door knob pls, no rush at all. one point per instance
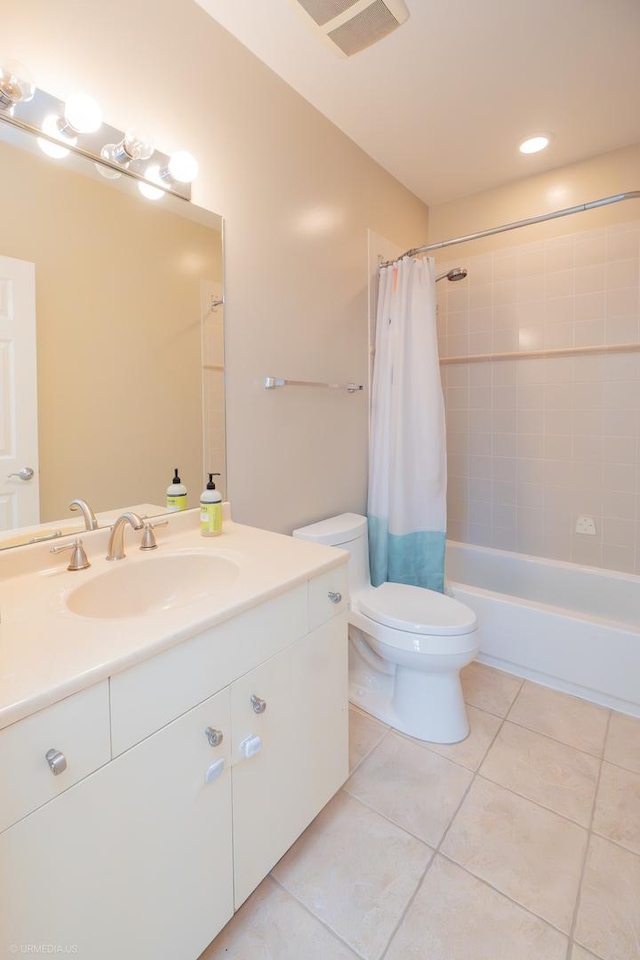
(259, 706)
(25, 473)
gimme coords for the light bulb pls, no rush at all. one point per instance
(151, 193)
(138, 145)
(535, 144)
(82, 113)
(16, 85)
(183, 167)
(133, 146)
(51, 126)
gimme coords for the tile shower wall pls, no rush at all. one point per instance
(534, 444)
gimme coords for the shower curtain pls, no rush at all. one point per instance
(407, 457)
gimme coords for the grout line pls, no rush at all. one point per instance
(408, 906)
(474, 774)
(369, 752)
(487, 883)
(576, 908)
(596, 756)
(318, 919)
(464, 797)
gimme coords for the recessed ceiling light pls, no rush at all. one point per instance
(535, 144)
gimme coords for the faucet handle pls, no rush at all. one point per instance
(148, 536)
(79, 559)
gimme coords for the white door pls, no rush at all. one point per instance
(19, 495)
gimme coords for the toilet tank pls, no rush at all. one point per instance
(348, 532)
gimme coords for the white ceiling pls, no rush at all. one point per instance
(443, 102)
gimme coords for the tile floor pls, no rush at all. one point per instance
(521, 843)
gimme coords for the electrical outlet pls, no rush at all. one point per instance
(586, 525)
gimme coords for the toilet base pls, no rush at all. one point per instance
(429, 727)
(426, 706)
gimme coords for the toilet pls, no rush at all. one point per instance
(407, 644)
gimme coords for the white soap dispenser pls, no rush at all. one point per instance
(211, 509)
(176, 494)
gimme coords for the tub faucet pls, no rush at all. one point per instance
(115, 549)
(90, 522)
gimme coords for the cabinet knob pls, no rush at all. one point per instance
(215, 737)
(334, 596)
(214, 771)
(259, 706)
(56, 760)
(250, 746)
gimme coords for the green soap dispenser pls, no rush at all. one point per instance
(176, 494)
(211, 509)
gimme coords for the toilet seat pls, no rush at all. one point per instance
(416, 610)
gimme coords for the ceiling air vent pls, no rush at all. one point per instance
(349, 26)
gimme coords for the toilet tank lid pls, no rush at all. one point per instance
(334, 530)
(416, 610)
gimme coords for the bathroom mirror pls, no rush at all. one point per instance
(129, 334)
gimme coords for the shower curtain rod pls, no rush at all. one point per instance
(554, 215)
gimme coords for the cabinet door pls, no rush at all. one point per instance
(303, 756)
(134, 862)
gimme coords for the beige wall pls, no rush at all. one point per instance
(533, 444)
(297, 196)
(118, 287)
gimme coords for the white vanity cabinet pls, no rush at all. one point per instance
(135, 861)
(224, 748)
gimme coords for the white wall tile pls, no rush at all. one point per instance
(544, 441)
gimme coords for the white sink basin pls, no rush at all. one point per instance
(137, 589)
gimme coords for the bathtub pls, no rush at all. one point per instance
(570, 627)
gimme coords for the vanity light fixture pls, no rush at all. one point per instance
(75, 126)
(536, 143)
(16, 85)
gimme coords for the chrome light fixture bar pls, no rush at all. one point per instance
(109, 148)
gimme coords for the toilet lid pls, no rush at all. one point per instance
(416, 610)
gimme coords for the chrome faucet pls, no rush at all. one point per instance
(90, 522)
(115, 550)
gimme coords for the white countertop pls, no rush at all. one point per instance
(47, 652)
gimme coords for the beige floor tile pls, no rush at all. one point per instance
(609, 915)
(580, 724)
(623, 742)
(471, 752)
(489, 689)
(528, 853)
(364, 733)
(410, 785)
(356, 872)
(271, 925)
(551, 773)
(454, 916)
(617, 813)
(578, 953)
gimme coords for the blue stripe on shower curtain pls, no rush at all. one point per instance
(415, 558)
(407, 458)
